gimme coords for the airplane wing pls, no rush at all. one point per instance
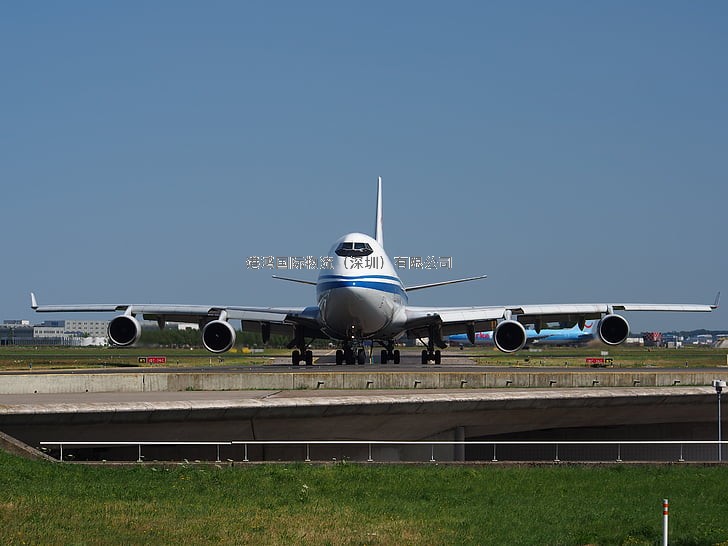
(443, 321)
(281, 320)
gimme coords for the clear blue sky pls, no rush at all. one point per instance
(573, 151)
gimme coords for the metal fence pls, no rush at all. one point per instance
(391, 451)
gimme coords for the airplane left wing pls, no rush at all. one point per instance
(176, 313)
(507, 321)
(124, 329)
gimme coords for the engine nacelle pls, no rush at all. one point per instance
(613, 329)
(509, 336)
(218, 336)
(124, 330)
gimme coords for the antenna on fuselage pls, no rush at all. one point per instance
(378, 234)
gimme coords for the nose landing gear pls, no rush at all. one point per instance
(303, 355)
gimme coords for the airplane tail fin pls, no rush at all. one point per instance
(378, 235)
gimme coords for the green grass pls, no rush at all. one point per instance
(45, 503)
(20, 358)
(59, 358)
(623, 356)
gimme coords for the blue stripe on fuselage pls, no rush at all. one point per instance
(357, 277)
(351, 282)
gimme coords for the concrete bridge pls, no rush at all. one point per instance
(356, 405)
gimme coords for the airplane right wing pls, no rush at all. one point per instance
(507, 321)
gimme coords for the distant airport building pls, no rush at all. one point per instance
(658, 339)
(652, 339)
(16, 332)
(701, 339)
(92, 328)
(74, 333)
(672, 341)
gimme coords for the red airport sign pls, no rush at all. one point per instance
(152, 360)
(599, 361)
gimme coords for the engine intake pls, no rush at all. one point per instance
(218, 336)
(124, 330)
(509, 336)
(613, 329)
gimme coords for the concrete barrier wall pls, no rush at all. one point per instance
(71, 383)
(38, 382)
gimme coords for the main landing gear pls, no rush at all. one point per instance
(347, 355)
(434, 338)
(430, 354)
(301, 353)
(390, 353)
(435, 356)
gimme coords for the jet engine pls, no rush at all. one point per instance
(613, 329)
(509, 336)
(124, 330)
(218, 336)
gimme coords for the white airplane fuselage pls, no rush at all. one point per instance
(362, 297)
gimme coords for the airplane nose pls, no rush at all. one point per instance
(352, 308)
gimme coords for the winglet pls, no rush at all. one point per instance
(33, 301)
(378, 234)
(717, 301)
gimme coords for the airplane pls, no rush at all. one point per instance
(362, 301)
(547, 336)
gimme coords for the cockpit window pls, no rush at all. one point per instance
(353, 250)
